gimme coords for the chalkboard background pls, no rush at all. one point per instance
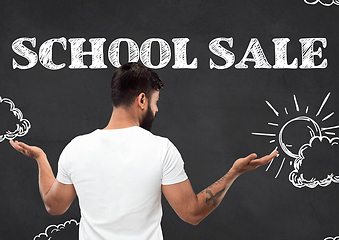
(210, 115)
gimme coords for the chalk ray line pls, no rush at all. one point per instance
(269, 165)
(265, 134)
(328, 128)
(273, 109)
(328, 116)
(273, 124)
(330, 133)
(306, 111)
(286, 111)
(296, 103)
(283, 161)
(322, 105)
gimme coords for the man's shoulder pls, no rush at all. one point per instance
(131, 132)
(81, 139)
(150, 134)
(84, 136)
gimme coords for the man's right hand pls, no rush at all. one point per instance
(250, 162)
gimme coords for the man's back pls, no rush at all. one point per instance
(118, 175)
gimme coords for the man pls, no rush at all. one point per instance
(119, 172)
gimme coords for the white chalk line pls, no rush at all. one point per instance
(323, 104)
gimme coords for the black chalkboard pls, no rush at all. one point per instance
(286, 98)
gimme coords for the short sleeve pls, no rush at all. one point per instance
(173, 166)
(62, 175)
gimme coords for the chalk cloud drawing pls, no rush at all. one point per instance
(314, 155)
(22, 127)
(332, 238)
(64, 231)
(297, 177)
(326, 3)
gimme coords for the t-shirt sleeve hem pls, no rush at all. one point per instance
(63, 181)
(174, 181)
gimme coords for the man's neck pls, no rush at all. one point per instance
(122, 118)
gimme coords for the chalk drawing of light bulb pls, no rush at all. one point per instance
(313, 131)
(303, 138)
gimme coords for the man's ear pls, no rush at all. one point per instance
(142, 100)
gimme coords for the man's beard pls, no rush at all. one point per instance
(148, 119)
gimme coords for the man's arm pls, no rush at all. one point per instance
(56, 196)
(194, 208)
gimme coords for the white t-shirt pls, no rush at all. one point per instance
(117, 175)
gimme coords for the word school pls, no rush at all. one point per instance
(254, 53)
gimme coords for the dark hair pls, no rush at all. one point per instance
(130, 80)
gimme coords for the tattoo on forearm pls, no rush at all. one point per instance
(216, 183)
(214, 198)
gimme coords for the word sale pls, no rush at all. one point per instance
(254, 53)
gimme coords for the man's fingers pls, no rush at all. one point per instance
(251, 157)
(15, 145)
(273, 154)
(24, 146)
(20, 147)
(266, 159)
(11, 142)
